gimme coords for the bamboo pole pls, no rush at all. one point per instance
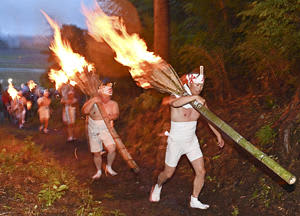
(269, 162)
(120, 145)
(88, 83)
(176, 87)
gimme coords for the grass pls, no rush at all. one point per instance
(33, 183)
(22, 58)
(20, 65)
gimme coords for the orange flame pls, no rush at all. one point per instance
(31, 84)
(11, 89)
(70, 62)
(130, 50)
(29, 105)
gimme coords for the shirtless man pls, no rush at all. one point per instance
(44, 111)
(18, 107)
(69, 113)
(183, 140)
(97, 130)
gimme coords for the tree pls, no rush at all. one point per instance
(161, 28)
(271, 42)
(202, 35)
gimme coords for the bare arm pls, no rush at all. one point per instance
(216, 132)
(63, 101)
(86, 108)
(115, 111)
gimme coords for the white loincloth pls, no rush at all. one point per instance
(20, 115)
(44, 112)
(98, 134)
(69, 114)
(182, 140)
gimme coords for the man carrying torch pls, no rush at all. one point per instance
(183, 140)
(98, 133)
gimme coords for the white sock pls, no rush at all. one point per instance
(110, 170)
(155, 194)
(158, 188)
(97, 175)
(195, 203)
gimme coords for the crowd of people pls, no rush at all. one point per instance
(29, 103)
(36, 102)
(18, 108)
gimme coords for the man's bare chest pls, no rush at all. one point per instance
(96, 113)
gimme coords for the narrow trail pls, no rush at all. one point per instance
(129, 192)
(126, 191)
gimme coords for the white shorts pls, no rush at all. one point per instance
(182, 140)
(69, 115)
(44, 112)
(20, 114)
(98, 134)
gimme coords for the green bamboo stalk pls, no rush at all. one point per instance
(269, 162)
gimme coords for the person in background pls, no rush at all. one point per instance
(18, 106)
(70, 105)
(2, 107)
(44, 111)
(97, 130)
(6, 99)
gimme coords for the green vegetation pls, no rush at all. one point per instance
(265, 135)
(265, 193)
(28, 173)
(235, 211)
(52, 192)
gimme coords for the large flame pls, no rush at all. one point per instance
(130, 50)
(31, 84)
(11, 89)
(70, 62)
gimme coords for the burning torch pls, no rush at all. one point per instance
(150, 71)
(76, 71)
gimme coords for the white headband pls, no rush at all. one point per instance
(196, 77)
(107, 90)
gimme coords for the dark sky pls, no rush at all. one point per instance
(23, 17)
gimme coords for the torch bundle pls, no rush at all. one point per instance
(149, 71)
(76, 71)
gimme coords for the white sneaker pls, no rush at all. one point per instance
(195, 203)
(155, 193)
(97, 175)
(110, 171)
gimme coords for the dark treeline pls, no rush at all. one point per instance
(245, 46)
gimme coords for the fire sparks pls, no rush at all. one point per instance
(11, 89)
(70, 62)
(130, 50)
(31, 84)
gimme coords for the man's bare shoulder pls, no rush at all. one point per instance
(40, 99)
(113, 103)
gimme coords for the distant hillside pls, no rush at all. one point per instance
(24, 42)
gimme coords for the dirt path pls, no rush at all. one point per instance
(230, 194)
(127, 191)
